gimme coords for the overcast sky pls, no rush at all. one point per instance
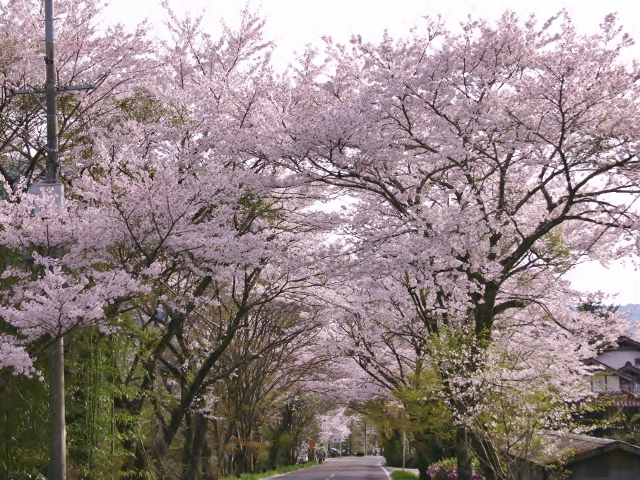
(292, 24)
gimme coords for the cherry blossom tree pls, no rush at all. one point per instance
(87, 52)
(214, 245)
(171, 232)
(82, 56)
(283, 364)
(476, 168)
(483, 165)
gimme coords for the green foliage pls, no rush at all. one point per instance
(598, 308)
(403, 475)
(252, 206)
(93, 366)
(24, 421)
(608, 420)
(9, 257)
(143, 107)
(24, 406)
(281, 446)
(354, 442)
(386, 422)
(421, 413)
(94, 363)
(424, 417)
(391, 444)
(430, 420)
(27, 476)
(553, 249)
(295, 422)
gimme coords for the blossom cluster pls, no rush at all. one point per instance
(446, 471)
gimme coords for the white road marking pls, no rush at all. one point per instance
(384, 470)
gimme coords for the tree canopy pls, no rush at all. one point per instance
(472, 168)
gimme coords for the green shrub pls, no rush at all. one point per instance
(403, 475)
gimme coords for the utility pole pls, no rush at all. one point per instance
(58, 436)
(365, 437)
(53, 165)
(52, 186)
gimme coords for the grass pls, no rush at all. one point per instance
(400, 475)
(271, 473)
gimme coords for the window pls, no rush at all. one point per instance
(625, 385)
(636, 362)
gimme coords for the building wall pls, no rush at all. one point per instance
(617, 359)
(605, 383)
(616, 465)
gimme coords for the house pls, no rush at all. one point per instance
(619, 368)
(627, 351)
(579, 457)
(618, 381)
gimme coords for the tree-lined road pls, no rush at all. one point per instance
(356, 468)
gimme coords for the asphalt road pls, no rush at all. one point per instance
(355, 468)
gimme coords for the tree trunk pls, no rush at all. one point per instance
(135, 466)
(489, 459)
(422, 458)
(462, 454)
(194, 448)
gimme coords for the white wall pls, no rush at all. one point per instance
(617, 359)
(605, 383)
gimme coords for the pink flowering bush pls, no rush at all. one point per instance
(446, 470)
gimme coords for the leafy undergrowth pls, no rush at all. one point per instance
(400, 475)
(271, 473)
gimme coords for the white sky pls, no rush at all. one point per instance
(292, 24)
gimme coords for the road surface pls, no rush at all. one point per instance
(346, 468)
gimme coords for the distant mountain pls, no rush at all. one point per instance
(634, 308)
